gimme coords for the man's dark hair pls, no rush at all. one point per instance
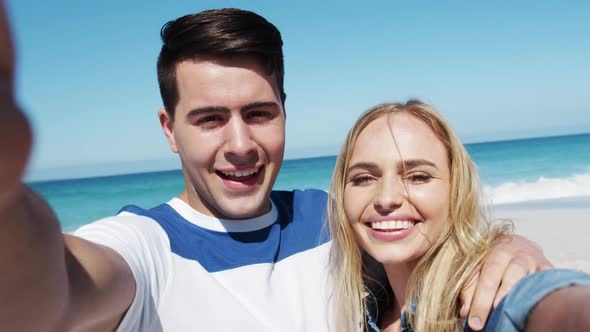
(217, 33)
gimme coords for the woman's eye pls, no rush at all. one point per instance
(361, 179)
(419, 177)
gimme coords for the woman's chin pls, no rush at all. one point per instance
(400, 257)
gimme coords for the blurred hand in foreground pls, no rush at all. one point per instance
(15, 132)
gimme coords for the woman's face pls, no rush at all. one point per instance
(397, 211)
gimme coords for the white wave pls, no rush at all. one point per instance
(543, 188)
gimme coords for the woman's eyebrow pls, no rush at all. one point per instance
(361, 165)
(411, 163)
(408, 163)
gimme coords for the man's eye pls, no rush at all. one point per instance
(258, 115)
(209, 119)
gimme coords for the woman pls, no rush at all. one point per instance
(406, 223)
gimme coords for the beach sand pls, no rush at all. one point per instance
(560, 227)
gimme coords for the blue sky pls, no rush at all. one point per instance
(497, 70)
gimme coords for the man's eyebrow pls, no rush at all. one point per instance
(222, 109)
(259, 104)
(207, 109)
(411, 163)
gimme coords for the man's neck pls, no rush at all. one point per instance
(203, 208)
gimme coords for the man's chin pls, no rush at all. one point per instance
(246, 210)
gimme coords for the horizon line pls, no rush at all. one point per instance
(41, 179)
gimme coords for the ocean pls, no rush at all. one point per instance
(525, 170)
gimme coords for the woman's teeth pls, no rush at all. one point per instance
(390, 225)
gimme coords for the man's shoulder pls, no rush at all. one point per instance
(302, 214)
(301, 204)
(300, 196)
(164, 208)
(308, 203)
(131, 217)
(131, 222)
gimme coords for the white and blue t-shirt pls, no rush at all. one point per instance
(198, 273)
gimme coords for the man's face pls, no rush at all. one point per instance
(229, 130)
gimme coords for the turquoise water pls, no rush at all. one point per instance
(511, 171)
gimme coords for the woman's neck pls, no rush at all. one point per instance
(391, 321)
(398, 276)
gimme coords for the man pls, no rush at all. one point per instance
(227, 253)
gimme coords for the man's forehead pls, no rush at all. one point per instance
(246, 61)
(207, 70)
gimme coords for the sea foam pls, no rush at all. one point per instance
(576, 185)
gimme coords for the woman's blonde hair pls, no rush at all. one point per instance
(454, 257)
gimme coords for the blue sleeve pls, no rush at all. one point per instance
(512, 313)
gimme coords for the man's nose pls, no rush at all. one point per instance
(239, 139)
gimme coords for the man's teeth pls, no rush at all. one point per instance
(239, 173)
(387, 225)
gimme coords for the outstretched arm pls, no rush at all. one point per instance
(27, 226)
(15, 132)
(48, 282)
(564, 310)
(550, 300)
(512, 258)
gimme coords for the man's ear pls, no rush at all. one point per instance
(168, 129)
